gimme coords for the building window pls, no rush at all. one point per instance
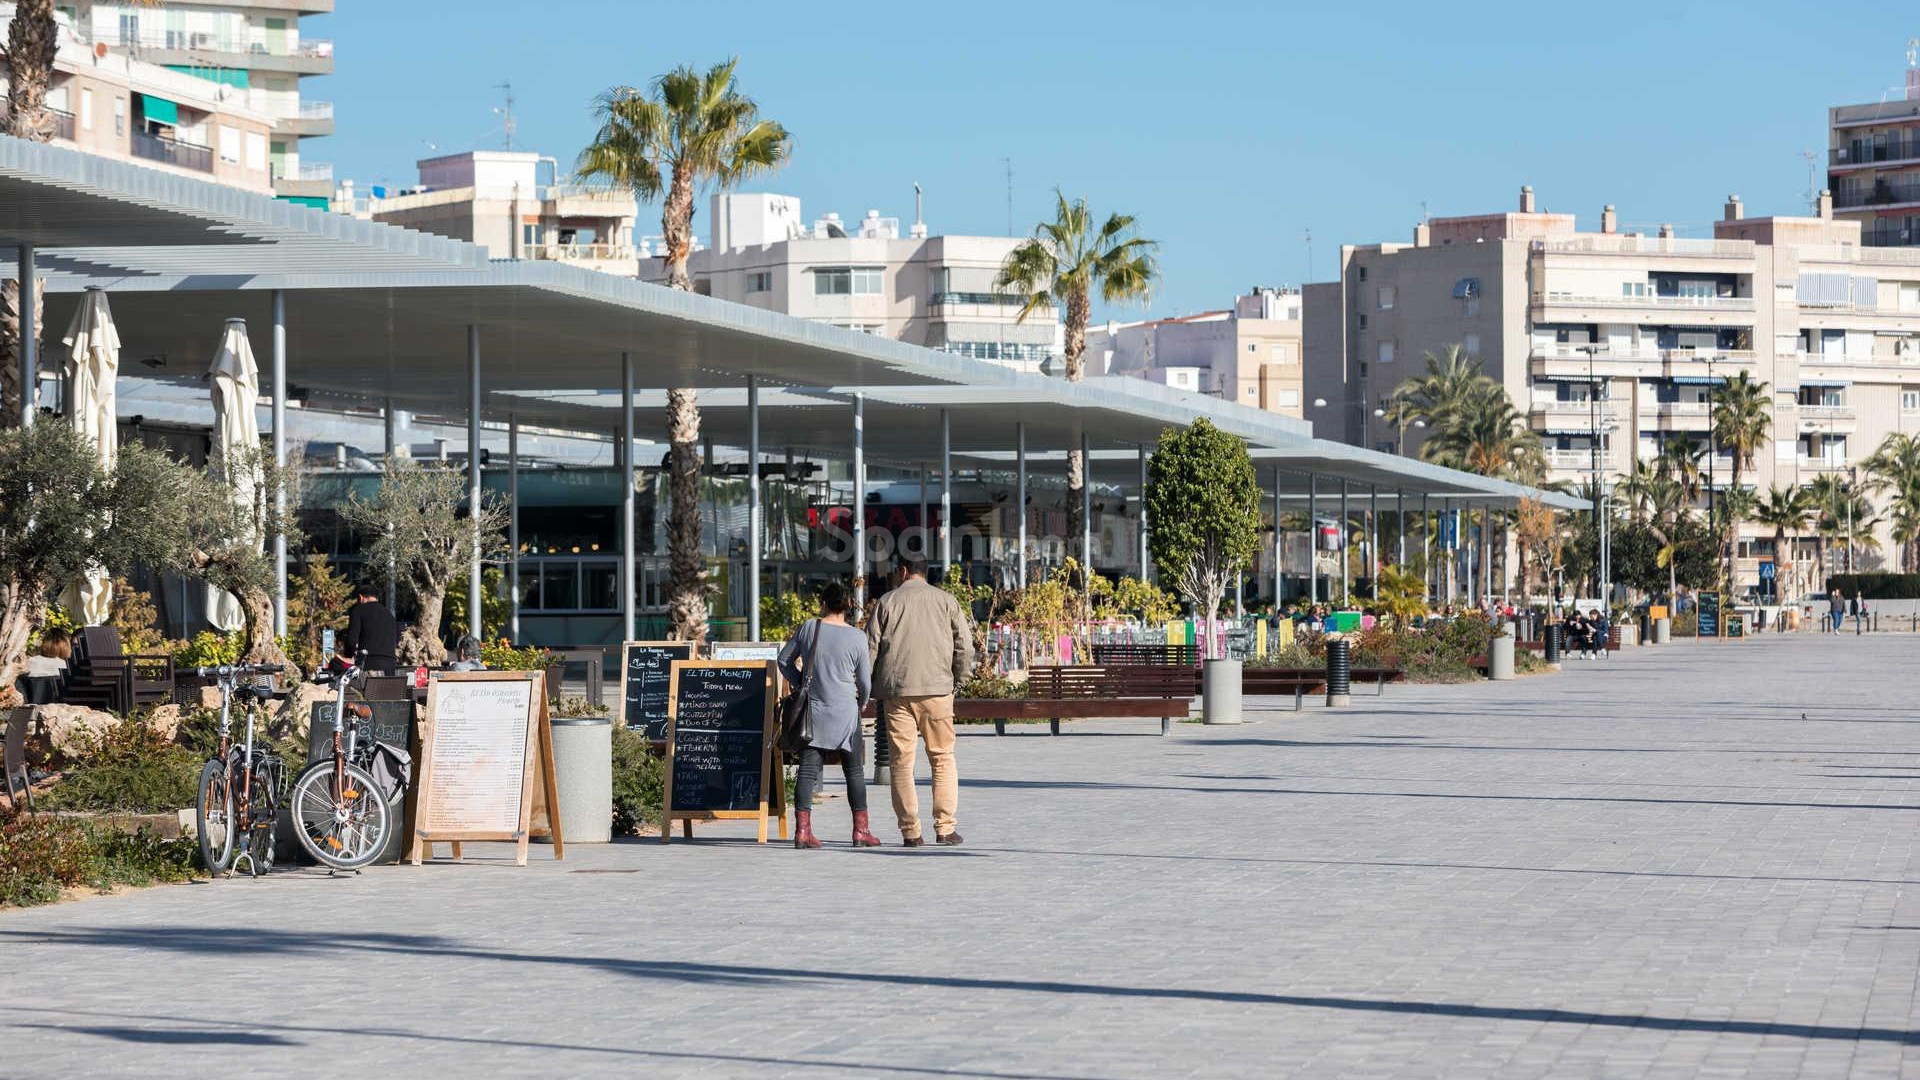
(1251, 347)
(1910, 401)
(1282, 354)
(119, 116)
(530, 234)
(256, 151)
(1471, 344)
(1387, 297)
(1386, 352)
(760, 281)
(847, 280)
(1633, 288)
(1363, 273)
(1363, 322)
(229, 144)
(1289, 399)
(86, 108)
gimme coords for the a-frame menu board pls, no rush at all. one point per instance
(719, 743)
(485, 742)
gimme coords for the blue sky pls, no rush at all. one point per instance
(1229, 129)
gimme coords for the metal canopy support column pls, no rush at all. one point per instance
(1143, 513)
(629, 539)
(30, 337)
(473, 477)
(753, 509)
(1400, 521)
(1426, 541)
(1279, 548)
(1346, 564)
(1020, 500)
(1313, 539)
(1086, 508)
(513, 526)
(926, 534)
(946, 491)
(1373, 538)
(860, 501)
(279, 451)
(391, 423)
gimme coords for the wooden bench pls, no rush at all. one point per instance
(1297, 681)
(1084, 691)
(1148, 653)
(1378, 676)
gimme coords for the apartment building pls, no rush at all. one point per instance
(254, 52)
(935, 291)
(112, 104)
(513, 204)
(1610, 342)
(1250, 353)
(1873, 165)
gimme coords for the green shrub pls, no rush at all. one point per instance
(1438, 652)
(500, 655)
(990, 684)
(129, 767)
(639, 782)
(577, 706)
(207, 649)
(39, 856)
(783, 613)
(142, 857)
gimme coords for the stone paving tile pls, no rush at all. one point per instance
(1651, 866)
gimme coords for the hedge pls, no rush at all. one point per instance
(1878, 586)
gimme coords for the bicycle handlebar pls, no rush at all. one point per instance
(235, 671)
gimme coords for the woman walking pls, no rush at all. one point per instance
(827, 660)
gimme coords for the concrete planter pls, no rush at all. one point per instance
(1220, 687)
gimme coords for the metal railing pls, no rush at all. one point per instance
(1620, 244)
(63, 126)
(315, 170)
(1832, 412)
(1867, 152)
(1890, 237)
(1706, 303)
(576, 252)
(255, 42)
(172, 152)
(316, 110)
(1881, 194)
(985, 299)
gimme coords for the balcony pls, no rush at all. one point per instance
(62, 124)
(1889, 152)
(1875, 360)
(314, 118)
(1850, 253)
(583, 253)
(1677, 415)
(1890, 236)
(1654, 303)
(1573, 460)
(257, 49)
(1881, 194)
(1823, 414)
(1618, 244)
(172, 152)
(1822, 464)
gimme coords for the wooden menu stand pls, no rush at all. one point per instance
(487, 736)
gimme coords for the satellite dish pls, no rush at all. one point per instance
(100, 51)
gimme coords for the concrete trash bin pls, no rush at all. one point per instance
(1500, 656)
(1220, 690)
(1662, 631)
(583, 771)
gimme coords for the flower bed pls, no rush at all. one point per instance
(1439, 652)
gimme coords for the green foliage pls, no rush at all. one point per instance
(1142, 599)
(1403, 594)
(781, 615)
(1070, 257)
(639, 782)
(208, 648)
(128, 767)
(501, 655)
(1438, 652)
(142, 857)
(577, 706)
(132, 614)
(693, 129)
(496, 607)
(989, 684)
(317, 601)
(1877, 586)
(1203, 510)
(39, 855)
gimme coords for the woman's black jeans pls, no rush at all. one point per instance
(809, 780)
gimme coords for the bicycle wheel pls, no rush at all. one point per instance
(213, 816)
(267, 776)
(345, 832)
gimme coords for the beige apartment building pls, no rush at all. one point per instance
(1611, 341)
(1873, 166)
(512, 203)
(255, 53)
(1250, 353)
(109, 103)
(935, 291)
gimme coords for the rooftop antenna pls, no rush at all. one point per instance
(1813, 179)
(1009, 164)
(506, 111)
(1306, 237)
(1913, 69)
(919, 219)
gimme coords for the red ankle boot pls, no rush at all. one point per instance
(803, 830)
(861, 837)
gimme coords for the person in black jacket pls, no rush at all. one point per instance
(372, 633)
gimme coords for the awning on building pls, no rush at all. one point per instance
(1596, 378)
(159, 110)
(1699, 380)
(1841, 383)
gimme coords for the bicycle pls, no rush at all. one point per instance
(240, 785)
(340, 813)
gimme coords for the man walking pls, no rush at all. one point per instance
(372, 631)
(922, 645)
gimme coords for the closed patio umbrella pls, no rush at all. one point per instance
(236, 437)
(92, 366)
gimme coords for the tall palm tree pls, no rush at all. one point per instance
(1452, 378)
(1785, 511)
(689, 130)
(1061, 265)
(1684, 462)
(1895, 468)
(32, 41)
(1638, 489)
(1483, 433)
(1742, 417)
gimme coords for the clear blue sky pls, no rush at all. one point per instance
(1227, 128)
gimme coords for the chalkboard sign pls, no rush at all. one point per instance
(646, 669)
(1709, 623)
(718, 742)
(392, 724)
(485, 742)
(1736, 626)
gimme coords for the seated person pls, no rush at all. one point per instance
(339, 662)
(469, 655)
(45, 680)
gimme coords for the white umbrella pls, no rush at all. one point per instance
(236, 437)
(91, 369)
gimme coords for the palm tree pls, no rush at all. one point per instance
(1638, 489)
(1452, 378)
(1895, 468)
(690, 130)
(1682, 460)
(1061, 265)
(1485, 434)
(1742, 416)
(1785, 511)
(32, 40)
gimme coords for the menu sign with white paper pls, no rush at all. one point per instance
(479, 754)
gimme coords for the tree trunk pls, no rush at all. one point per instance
(687, 572)
(10, 312)
(32, 41)
(1074, 334)
(687, 588)
(262, 646)
(420, 644)
(21, 612)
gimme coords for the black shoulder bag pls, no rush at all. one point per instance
(796, 718)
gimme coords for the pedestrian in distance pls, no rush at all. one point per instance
(1836, 607)
(827, 660)
(1859, 611)
(922, 648)
(467, 654)
(1853, 611)
(372, 633)
(1597, 632)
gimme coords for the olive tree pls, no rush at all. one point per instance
(234, 512)
(63, 513)
(1203, 512)
(416, 522)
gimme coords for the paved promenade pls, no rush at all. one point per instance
(1690, 861)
